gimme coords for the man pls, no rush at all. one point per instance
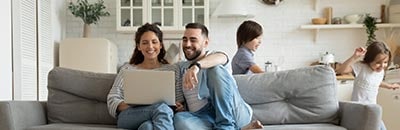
(210, 91)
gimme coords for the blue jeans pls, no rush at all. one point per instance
(157, 116)
(226, 109)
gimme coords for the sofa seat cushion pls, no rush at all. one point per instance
(304, 127)
(61, 126)
(78, 97)
(303, 95)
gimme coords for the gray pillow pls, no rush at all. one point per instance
(304, 95)
(78, 96)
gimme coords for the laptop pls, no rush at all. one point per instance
(145, 87)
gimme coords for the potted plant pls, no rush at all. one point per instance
(89, 13)
(370, 24)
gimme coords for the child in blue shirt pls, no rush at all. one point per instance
(248, 38)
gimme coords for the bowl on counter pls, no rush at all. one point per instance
(318, 21)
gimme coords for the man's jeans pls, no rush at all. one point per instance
(226, 109)
(154, 117)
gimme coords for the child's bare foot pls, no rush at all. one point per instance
(256, 124)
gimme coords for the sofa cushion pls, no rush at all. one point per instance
(62, 126)
(78, 96)
(304, 127)
(304, 95)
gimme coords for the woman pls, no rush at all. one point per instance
(248, 38)
(148, 54)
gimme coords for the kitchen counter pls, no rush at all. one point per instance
(345, 77)
(342, 77)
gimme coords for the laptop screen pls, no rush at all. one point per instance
(149, 87)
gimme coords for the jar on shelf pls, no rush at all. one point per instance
(268, 66)
(337, 20)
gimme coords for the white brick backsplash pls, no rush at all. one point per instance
(282, 39)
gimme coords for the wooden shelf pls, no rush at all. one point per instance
(347, 26)
(345, 77)
(316, 28)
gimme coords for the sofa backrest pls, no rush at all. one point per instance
(304, 95)
(78, 96)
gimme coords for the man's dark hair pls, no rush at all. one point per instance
(204, 30)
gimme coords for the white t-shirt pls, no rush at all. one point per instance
(193, 99)
(366, 83)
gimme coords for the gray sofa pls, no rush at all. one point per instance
(299, 99)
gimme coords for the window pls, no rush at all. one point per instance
(32, 48)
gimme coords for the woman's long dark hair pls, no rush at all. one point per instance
(137, 56)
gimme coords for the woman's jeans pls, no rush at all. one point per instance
(226, 109)
(154, 117)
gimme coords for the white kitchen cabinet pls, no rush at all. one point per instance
(173, 15)
(390, 103)
(344, 89)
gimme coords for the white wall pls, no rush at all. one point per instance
(282, 37)
(5, 51)
(58, 18)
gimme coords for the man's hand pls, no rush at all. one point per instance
(190, 78)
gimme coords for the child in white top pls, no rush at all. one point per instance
(368, 73)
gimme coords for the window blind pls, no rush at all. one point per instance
(32, 48)
(24, 49)
(45, 46)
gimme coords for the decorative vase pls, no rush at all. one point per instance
(86, 30)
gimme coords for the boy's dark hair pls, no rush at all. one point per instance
(204, 30)
(374, 49)
(247, 31)
(137, 56)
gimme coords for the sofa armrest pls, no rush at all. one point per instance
(359, 116)
(18, 115)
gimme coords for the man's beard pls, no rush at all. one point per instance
(196, 54)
